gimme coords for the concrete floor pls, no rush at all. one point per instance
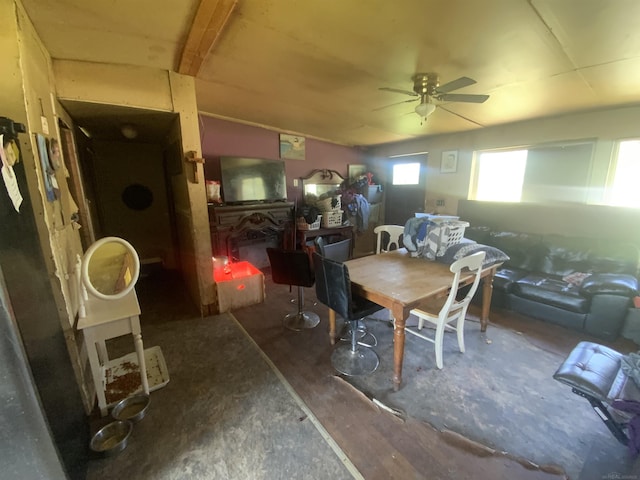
(226, 414)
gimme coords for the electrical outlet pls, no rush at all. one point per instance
(440, 202)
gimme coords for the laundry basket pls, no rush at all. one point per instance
(332, 219)
(451, 233)
(302, 224)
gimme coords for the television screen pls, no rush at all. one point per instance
(247, 180)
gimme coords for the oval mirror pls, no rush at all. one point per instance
(110, 268)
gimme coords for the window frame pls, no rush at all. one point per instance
(475, 171)
(612, 173)
(529, 184)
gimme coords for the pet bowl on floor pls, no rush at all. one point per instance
(131, 408)
(112, 438)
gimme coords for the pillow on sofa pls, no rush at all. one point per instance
(460, 250)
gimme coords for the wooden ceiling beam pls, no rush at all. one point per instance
(210, 20)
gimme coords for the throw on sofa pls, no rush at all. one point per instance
(581, 283)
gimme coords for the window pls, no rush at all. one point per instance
(406, 174)
(500, 175)
(540, 174)
(624, 190)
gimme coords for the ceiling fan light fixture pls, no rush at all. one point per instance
(425, 109)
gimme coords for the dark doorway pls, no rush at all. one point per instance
(404, 199)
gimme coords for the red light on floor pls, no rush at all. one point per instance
(234, 271)
(240, 287)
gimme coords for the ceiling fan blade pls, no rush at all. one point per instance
(394, 104)
(397, 90)
(462, 97)
(461, 116)
(455, 84)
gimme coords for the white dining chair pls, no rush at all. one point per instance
(395, 233)
(443, 311)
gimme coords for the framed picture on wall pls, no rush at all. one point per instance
(292, 147)
(355, 171)
(449, 161)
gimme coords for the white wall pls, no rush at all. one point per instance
(604, 126)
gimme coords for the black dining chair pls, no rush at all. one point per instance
(341, 252)
(338, 251)
(333, 288)
(293, 267)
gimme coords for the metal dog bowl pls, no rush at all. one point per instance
(131, 408)
(112, 438)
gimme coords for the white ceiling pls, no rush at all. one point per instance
(315, 67)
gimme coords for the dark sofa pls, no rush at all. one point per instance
(581, 283)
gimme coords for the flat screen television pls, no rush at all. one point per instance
(252, 180)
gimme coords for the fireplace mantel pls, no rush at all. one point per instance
(232, 225)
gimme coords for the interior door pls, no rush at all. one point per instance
(76, 185)
(405, 193)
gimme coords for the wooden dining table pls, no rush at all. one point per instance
(400, 282)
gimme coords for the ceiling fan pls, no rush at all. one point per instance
(427, 87)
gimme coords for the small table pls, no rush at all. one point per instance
(107, 319)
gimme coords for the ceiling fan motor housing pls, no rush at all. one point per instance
(425, 83)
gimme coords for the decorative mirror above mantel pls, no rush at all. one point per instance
(321, 183)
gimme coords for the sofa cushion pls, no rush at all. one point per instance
(551, 291)
(506, 277)
(524, 250)
(479, 234)
(565, 255)
(614, 257)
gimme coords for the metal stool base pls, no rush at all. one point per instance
(301, 320)
(361, 362)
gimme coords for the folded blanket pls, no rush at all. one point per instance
(416, 238)
(630, 365)
(633, 427)
(575, 278)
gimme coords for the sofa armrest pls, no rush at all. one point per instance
(611, 284)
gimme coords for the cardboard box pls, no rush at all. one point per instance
(242, 286)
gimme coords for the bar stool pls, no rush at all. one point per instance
(340, 252)
(292, 267)
(333, 288)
